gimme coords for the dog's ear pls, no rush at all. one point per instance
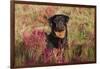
(50, 20)
(66, 18)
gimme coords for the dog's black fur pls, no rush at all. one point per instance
(57, 23)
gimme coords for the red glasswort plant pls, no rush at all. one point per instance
(47, 56)
(35, 43)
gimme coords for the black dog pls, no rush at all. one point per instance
(58, 36)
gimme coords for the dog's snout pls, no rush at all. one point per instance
(59, 28)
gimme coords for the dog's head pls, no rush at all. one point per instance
(58, 24)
